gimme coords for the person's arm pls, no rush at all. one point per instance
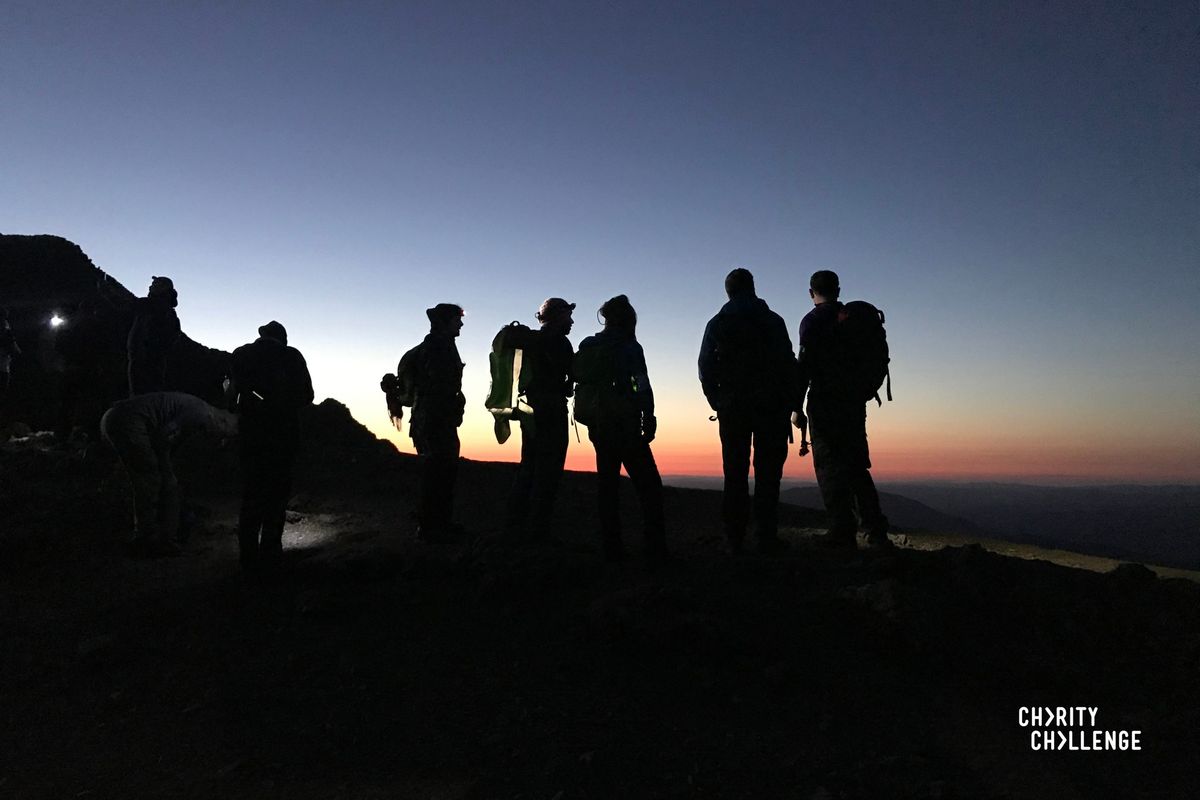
(786, 357)
(803, 364)
(707, 364)
(303, 388)
(568, 365)
(644, 393)
(233, 380)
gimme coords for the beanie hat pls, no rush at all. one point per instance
(273, 330)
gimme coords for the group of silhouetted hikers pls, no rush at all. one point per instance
(757, 385)
(268, 384)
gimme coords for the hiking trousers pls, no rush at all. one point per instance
(147, 459)
(543, 454)
(766, 434)
(267, 457)
(614, 450)
(842, 463)
(438, 447)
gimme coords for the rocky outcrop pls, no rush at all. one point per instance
(70, 371)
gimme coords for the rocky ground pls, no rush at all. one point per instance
(381, 668)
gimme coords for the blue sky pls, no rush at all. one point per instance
(1015, 184)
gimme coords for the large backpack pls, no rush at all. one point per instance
(400, 388)
(509, 374)
(861, 350)
(603, 393)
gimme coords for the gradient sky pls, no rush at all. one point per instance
(1015, 184)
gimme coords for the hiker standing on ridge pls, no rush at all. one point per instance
(154, 333)
(271, 384)
(144, 430)
(748, 373)
(829, 371)
(433, 370)
(545, 380)
(614, 399)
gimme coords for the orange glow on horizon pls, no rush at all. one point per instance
(895, 457)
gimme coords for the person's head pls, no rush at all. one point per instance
(273, 330)
(823, 286)
(445, 318)
(555, 316)
(163, 288)
(739, 281)
(619, 315)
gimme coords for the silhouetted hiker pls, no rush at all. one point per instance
(614, 399)
(430, 375)
(271, 384)
(153, 335)
(545, 381)
(837, 394)
(9, 349)
(143, 430)
(748, 372)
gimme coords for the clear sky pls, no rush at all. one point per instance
(1015, 184)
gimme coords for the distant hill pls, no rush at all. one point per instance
(1160, 524)
(1154, 524)
(903, 512)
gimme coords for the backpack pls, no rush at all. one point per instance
(399, 389)
(861, 348)
(505, 399)
(264, 382)
(744, 371)
(603, 394)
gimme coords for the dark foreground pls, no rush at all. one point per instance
(379, 668)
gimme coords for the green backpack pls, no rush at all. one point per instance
(504, 400)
